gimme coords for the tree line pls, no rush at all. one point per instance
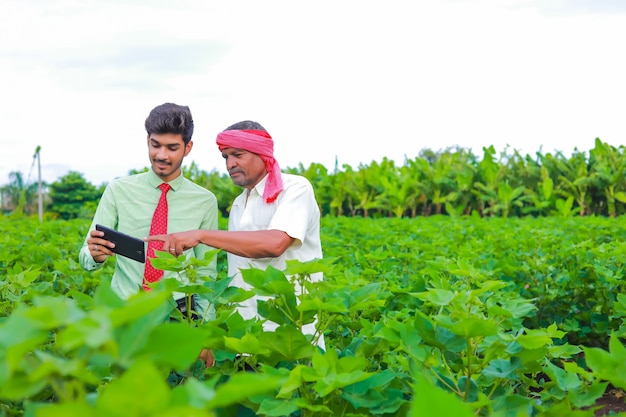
(452, 182)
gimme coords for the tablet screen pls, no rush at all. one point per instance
(125, 245)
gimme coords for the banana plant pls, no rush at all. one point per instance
(543, 198)
(367, 188)
(459, 201)
(436, 174)
(608, 167)
(573, 178)
(564, 208)
(485, 188)
(321, 181)
(401, 189)
(18, 196)
(340, 198)
(415, 169)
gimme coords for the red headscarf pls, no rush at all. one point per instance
(260, 142)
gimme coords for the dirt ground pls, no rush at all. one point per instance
(614, 400)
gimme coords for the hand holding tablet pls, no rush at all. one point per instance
(125, 245)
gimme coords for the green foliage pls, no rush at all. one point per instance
(446, 315)
(609, 366)
(73, 197)
(220, 184)
(18, 197)
(452, 182)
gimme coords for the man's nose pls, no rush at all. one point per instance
(161, 153)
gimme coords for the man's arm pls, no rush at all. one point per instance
(88, 257)
(249, 244)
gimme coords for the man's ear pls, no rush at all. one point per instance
(188, 147)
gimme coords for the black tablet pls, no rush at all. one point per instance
(125, 245)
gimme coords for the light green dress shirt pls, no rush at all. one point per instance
(128, 204)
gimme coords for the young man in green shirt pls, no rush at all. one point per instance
(128, 203)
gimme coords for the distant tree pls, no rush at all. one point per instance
(219, 183)
(138, 171)
(72, 196)
(17, 195)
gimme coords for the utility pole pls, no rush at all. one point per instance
(39, 191)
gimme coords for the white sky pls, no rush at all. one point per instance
(356, 80)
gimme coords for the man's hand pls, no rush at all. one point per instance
(99, 248)
(177, 243)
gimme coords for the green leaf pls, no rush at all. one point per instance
(140, 391)
(566, 381)
(220, 291)
(269, 282)
(587, 397)
(316, 409)
(65, 409)
(280, 312)
(620, 196)
(53, 366)
(315, 304)
(278, 407)
(52, 312)
(167, 262)
(18, 337)
(132, 337)
(192, 393)
(336, 373)
(93, 331)
(533, 341)
(105, 296)
(432, 401)
(438, 297)
(295, 267)
(247, 344)
(363, 296)
(286, 343)
(141, 304)
(176, 345)
(553, 332)
(21, 386)
(426, 329)
(375, 394)
(501, 368)
(242, 386)
(473, 327)
(297, 376)
(608, 366)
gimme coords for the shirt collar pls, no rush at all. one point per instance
(260, 187)
(154, 180)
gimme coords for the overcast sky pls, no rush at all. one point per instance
(355, 80)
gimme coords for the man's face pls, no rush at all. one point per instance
(166, 152)
(245, 168)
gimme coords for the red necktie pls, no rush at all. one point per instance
(158, 227)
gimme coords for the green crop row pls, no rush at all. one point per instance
(421, 316)
(454, 182)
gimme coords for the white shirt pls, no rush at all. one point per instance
(294, 212)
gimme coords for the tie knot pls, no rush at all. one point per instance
(165, 187)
